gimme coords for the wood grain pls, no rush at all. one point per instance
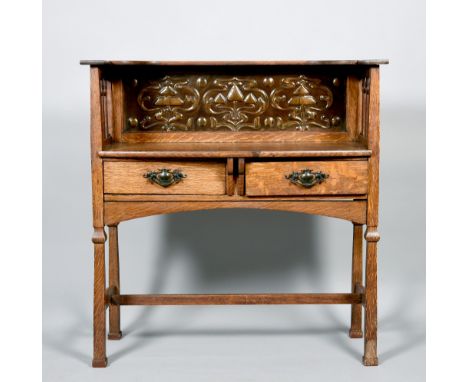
(366, 62)
(372, 236)
(230, 183)
(237, 299)
(114, 282)
(353, 107)
(118, 108)
(235, 150)
(373, 143)
(96, 145)
(99, 236)
(268, 178)
(108, 110)
(241, 177)
(226, 198)
(99, 297)
(370, 333)
(316, 136)
(235, 169)
(203, 178)
(354, 211)
(356, 281)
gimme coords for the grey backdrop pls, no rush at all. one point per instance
(195, 252)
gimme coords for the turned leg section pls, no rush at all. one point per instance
(114, 283)
(356, 281)
(99, 313)
(370, 329)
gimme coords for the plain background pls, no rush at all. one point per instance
(194, 252)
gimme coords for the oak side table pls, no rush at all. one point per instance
(298, 136)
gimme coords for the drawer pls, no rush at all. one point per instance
(181, 178)
(289, 178)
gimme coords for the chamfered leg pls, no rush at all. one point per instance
(114, 283)
(356, 280)
(99, 313)
(370, 328)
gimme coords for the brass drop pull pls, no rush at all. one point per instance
(165, 177)
(306, 178)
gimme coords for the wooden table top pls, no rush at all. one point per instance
(366, 62)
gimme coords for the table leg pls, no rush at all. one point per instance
(114, 283)
(356, 279)
(99, 314)
(370, 335)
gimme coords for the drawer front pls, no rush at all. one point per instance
(323, 178)
(183, 178)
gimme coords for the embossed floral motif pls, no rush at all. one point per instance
(238, 102)
(306, 99)
(199, 103)
(167, 103)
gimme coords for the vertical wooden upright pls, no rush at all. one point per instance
(114, 283)
(356, 282)
(99, 236)
(372, 236)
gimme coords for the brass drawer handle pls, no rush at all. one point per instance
(165, 177)
(306, 178)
